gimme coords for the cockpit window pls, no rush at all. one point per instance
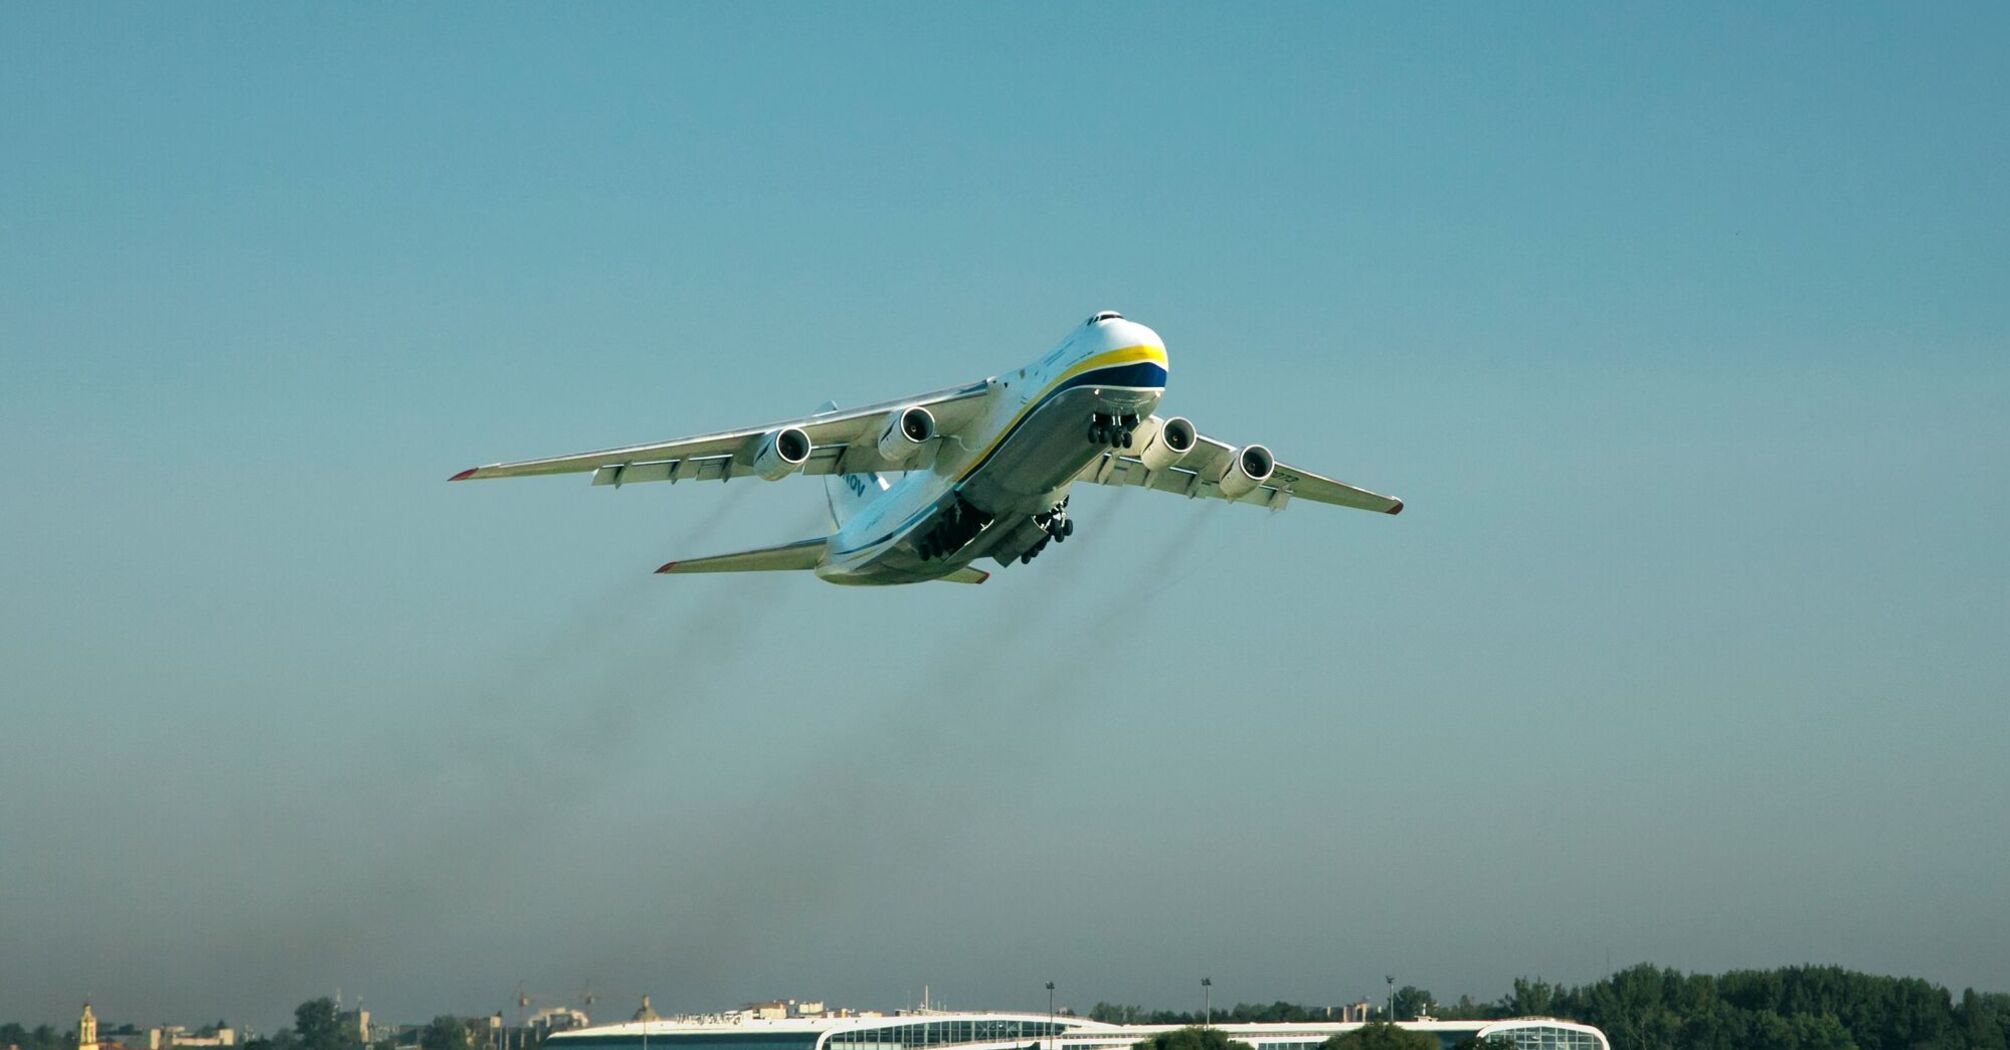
(1104, 315)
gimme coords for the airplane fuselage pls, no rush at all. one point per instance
(989, 493)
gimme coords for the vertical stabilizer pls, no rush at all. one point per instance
(849, 493)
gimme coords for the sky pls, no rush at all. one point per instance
(1682, 331)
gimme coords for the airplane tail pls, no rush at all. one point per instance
(849, 493)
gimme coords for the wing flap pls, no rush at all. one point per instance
(824, 459)
(832, 435)
(1194, 477)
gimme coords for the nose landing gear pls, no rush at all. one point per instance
(1112, 431)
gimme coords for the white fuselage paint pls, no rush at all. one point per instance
(1030, 442)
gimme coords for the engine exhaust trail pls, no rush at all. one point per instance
(448, 833)
(800, 842)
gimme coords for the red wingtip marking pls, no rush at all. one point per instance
(984, 577)
(667, 566)
(465, 474)
(1397, 509)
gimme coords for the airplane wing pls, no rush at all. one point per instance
(1198, 473)
(842, 442)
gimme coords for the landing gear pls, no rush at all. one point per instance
(1112, 431)
(957, 526)
(1056, 521)
(1057, 526)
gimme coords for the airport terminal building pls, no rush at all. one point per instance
(1008, 1031)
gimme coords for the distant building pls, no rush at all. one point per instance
(556, 1019)
(484, 1033)
(1355, 1013)
(218, 1035)
(157, 1037)
(1014, 1031)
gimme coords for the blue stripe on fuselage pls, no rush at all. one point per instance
(1145, 374)
(1148, 374)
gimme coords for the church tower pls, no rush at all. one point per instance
(87, 1030)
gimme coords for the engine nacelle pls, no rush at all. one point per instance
(782, 453)
(1176, 438)
(1250, 466)
(904, 432)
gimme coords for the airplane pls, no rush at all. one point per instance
(920, 488)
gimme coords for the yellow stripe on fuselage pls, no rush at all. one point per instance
(1122, 356)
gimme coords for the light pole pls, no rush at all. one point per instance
(1391, 978)
(1050, 1011)
(1207, 994)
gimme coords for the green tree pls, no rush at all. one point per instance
(284, 1039)
(1381, 1035)
(1411, 1001)
(1530, 998)
(1190, 1038)
(445, 1032)
(1981, 1027)
(319, 1025)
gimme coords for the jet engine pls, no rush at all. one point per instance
(783, 452)
(1176, 438)
(1249, 467)
(905, 431)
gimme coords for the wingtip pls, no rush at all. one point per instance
(1397, 509)
(668, 566)
(465, 474)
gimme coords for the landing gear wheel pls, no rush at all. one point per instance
(1068, 527)
(1124, 438)
(1096, 434)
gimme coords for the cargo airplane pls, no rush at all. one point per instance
(922, 487)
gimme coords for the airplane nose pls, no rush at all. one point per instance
(1110, 331)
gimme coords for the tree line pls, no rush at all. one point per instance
(317, 1025)
(40, 1037)
(1646, 1007)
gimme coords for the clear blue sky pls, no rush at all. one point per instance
(1683, 332)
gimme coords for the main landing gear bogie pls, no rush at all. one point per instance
(1112, 431)
(1058, 527)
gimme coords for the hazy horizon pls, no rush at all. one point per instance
(1682, 332)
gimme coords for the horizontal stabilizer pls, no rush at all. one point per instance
(802, 554)
(966, 574)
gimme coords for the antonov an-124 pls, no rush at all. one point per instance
(920, 488)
